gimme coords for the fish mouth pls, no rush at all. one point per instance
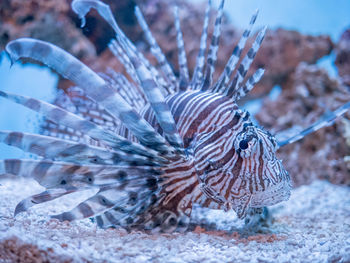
(272, 195)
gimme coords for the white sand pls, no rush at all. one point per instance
(313, 226)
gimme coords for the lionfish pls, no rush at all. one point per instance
(153, 145)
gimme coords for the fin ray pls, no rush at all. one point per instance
(93, 85)
(184, 76)
(242, 70)
(225, 76)
(213, 49)
(324, 121)
(198, 70)
(156, 51)
(59, 115)
(148, 83)
(69, 151)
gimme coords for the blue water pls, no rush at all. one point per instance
(313, 17)
(29, 80)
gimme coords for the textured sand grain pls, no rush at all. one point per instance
(313, 226)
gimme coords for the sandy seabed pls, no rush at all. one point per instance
(313, 226)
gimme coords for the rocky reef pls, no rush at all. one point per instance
(308, 94)
(45, 20)
(342, 61)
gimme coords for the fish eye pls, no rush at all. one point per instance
(246, 141)
(243, 144)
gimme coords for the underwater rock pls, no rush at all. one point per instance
(282, 51)
(13, 249)
(43, 19)
(309, 93)
(346, 123)
(342, 60)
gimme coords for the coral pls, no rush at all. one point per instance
(343, 57)
(309, 93)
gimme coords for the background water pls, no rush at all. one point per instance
(29, 80)
(308, 17)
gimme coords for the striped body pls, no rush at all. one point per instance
(155, 145)
(209, 125)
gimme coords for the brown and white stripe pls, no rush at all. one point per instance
(225, 76)
(200, 61)
(213, 49)
(184, 75)
(156, 51)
